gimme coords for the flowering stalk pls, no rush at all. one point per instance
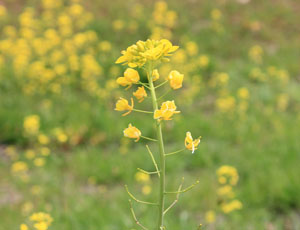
(161, 152)
(147, 55)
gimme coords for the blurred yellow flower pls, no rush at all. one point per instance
(122, 105)
(132, 132)
(31, 124)
(210, 216)
(191, 144)
(192, 48)
(243, 93)
(230, 172)
(146, 190)
(43, 139)
(142, 177)
(23, 227)
(215, 14)
(175, 79)
(45, 151)
(231, 206)
(19, 166)
(39, 162)
(225, 191)
(3, 11)
(282, 101)
(140, 93)
(255, 53)
(225, 104)
(203, 61)
(151, 50)
(29, 154)
(155, 75)
(166, 111)
(41, 217)
(118, 24)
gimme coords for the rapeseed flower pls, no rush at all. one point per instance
(191, 144)
(155, 75)
(19, 166)
(132, 132)
(210, 216)
(231, 206)
(23, 227)
(243, 93)
(122, 105)
(31, 124)
(166, 111)
(131, 76)
(175, 79)
(143, 51)
(140, 94)
(229, 172)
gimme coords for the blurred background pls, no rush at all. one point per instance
(62, 150)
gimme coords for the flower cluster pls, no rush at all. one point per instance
(51, 46)
(39, 220)
(143, 51)
(228, 177)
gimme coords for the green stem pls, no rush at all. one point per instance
(161, 202)
(148, 138)
(168, 154)
(141, 111)
(161, 97)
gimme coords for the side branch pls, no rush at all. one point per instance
(153, 160)
(139, 201)
(146, 172)
(134, 217)
(169, 154)
(143, 84)
(184, 190)
(160, 84)
(176, 200)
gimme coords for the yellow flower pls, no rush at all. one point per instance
(175, 79)
(210, 216)
(39, 162)
(151, 50)
(41, 217)
(243, 93)
(191, 144)
(215, 14)
(41, 226)
(131, 76)
(140, 94)
(19, 166)
(31, 124)
(225, 191)
(166, 111)
(132, 132)
(43, 139)
(228, 171)
(123, 82)
(23, 227)
(122, 105)
(203, 61)
(231, 206)
(155, 75)
(142, 177)
(29, 154)
(146, 190)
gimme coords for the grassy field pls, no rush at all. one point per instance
(62, 150)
